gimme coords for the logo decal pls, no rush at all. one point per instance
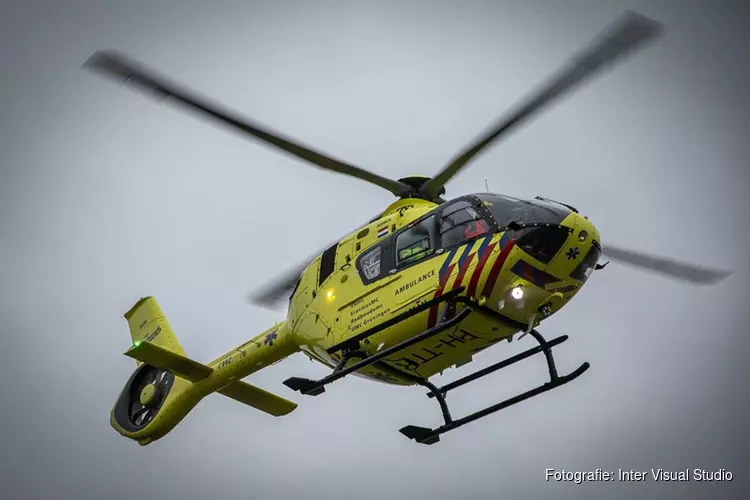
(572, 253)
(404, 209)
(270, 338)
(151, 336)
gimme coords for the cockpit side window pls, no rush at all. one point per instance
(460, 222)
(371, 263)
(416, 242)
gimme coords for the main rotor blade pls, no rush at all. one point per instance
(624, 35)
(121, 68)
(272, 295)
(667, 267)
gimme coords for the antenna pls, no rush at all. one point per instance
(487, 186)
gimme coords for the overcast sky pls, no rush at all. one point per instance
(106, 197)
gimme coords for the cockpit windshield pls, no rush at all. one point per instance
(506, 209)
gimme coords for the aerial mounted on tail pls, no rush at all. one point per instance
(422, 287)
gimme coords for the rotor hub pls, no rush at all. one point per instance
(415, 182)
(147, 394)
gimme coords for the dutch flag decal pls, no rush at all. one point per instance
(382, 231)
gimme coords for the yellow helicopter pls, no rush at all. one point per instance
(422, 287)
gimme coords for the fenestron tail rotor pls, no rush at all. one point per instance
(142, 397)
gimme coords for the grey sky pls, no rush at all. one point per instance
(106, 196)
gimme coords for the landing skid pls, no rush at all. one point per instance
(426, 435)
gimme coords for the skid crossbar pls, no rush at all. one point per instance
(498, 366)
(425, 435)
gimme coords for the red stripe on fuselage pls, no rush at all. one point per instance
(496, 267)
(462, 271)
(432, 318)
(478, 270)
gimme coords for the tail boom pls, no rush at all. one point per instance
(190, 380)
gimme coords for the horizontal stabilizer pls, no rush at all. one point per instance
(167, 360)
(258, 398)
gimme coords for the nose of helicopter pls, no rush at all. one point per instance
(570, 248)
(555, 258)
(580, 252)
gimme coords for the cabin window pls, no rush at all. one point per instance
(371, 262)
(460, 222)
(294, 290)
(296, 287)
(327, 263)
(416, 243)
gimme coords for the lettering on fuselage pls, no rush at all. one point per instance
(362, 314)
(385, 377)
(151, 336)
(358, 308)
(427, 354)
(403, 210)
(563, 289)
(415, 282)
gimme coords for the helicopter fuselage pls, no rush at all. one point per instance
(421, 288)
(522, 259)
